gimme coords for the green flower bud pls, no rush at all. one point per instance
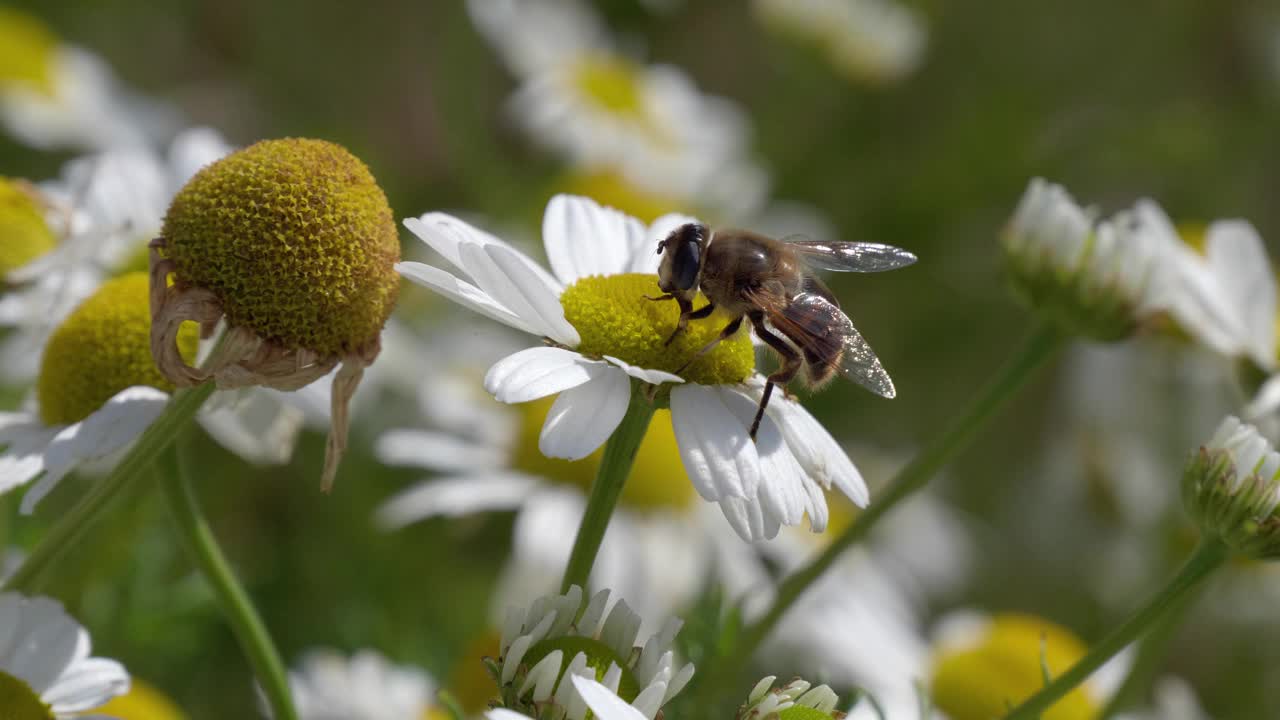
(1231, 488)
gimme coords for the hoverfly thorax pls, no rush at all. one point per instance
(682, 259)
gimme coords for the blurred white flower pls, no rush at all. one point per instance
(608, 262)
(365, 686)
(1175, 699)
(56, 96)
(560, 636)
(582, 96)
(45, 668)
(871, 41)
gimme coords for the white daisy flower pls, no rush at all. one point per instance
(60, 96)
(1174, 699)
(604, 333)
(365, 686)
(99, 214)
(603, 702)
(561, 635)
(45, 669)
(605, 111)
(871, 41)
(98, 390)
(1231, 488)
(766, 702)
(662, 546)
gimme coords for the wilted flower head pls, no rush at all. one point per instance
(1231, 488)
(292, 243)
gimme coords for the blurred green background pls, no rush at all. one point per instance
(1175, 99)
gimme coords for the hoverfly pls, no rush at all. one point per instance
(770, 283)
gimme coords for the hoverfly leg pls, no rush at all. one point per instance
(791, 363)
(668, 296)
(685, 316)
(726, 333)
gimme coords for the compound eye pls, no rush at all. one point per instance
(685, 264)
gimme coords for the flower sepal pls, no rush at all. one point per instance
(1231, 488)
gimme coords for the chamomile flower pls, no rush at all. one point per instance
(98, 390)
(604, 334)
(603, 702)
(797, 699)
(54, 95)
(46, 672)
(364, 686)
(877, 42)
(561, 636)
(1231, 488)
(605, 111)
(662, 544)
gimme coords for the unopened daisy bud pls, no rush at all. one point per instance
(24, 234)
(561, 636)
(292, 243)
(797, 700)
(1089, 278)
(1231, 488)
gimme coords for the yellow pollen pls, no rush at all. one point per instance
(613, 317)
(27, 50)
(103, 347)
(612, 190)
(295, 238)
(142, 702)
(982, 681)
(19, 702)
(657, 481)
(24, 235)
(612, 83)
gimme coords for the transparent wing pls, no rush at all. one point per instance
(830, 342)
(850, 256)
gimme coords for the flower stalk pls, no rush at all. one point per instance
(132, 471)
(615, 467)
(1208, 556)
(202, 546)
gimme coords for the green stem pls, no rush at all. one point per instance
(203, 548)
(1150, 656)
(1208, 556)
(1041, 345)
(132, 470)
(619, 454)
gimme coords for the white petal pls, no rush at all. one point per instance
(442, 452)
(455, 497)
(819, 453)
(539, 372)
(463, 293)
(745, 516)
(655, 377)
(111, 427)
(25, 440)
(1265, 402)
(88, 684)
(260, 427)
(447, 234)
(1239, 261)
(582, 238)
(584, 417)
(604, 703)
(782, 480)
(543, 298)
(719, 457)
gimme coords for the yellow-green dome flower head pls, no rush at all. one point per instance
(27, 51)
(101, 348)
(24, 234)
(292, 243)
(142, 702)
(1004, 662)
(296, 240)
(20, 702)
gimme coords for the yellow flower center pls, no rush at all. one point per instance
(613, 317)
(295, 238)
(1005, 666)
(24, 235)
(27, 49)
(613, 190)
(657, 481)
(611, 82)
(803, 712)
(599, 658)
(103, 347)
(19, 702)
(142, 702)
